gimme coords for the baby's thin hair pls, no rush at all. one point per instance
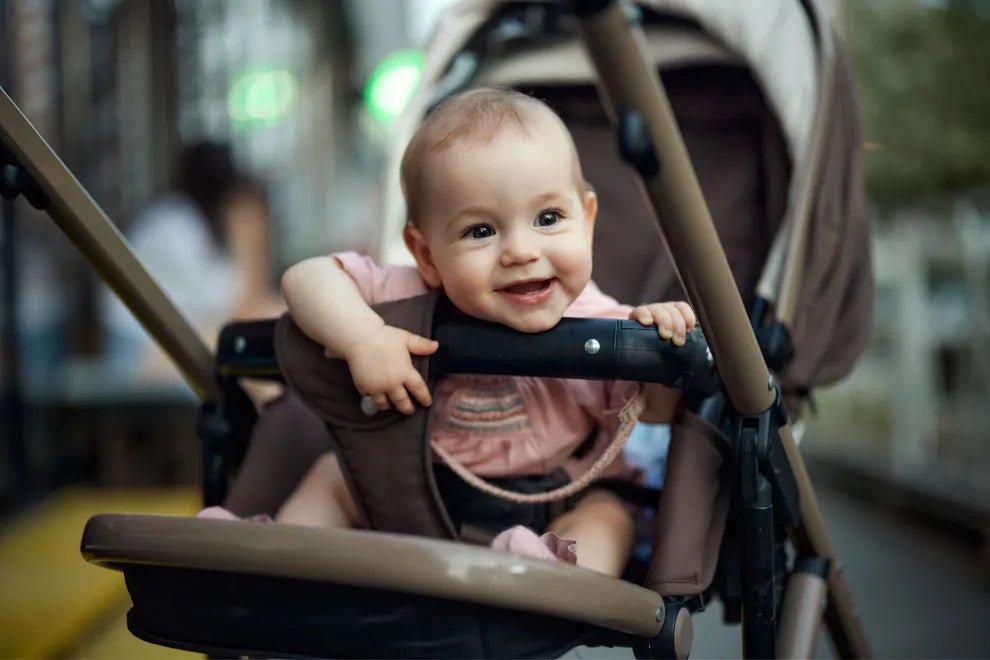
(479, 114)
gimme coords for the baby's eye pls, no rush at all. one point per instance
(479, 232)
(547, 218)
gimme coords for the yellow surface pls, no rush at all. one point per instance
(116, 642)
(53, 603)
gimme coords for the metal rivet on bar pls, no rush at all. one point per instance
(240, 343)
(368, 406)
(661, 615)
(592, 346)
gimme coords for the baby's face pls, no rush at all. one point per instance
(506, 231)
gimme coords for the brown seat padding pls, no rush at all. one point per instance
(286, 440)
(385, 456)
(387, 459)
(692, 512)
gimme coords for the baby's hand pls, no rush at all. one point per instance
(674, 319)
(382, 369)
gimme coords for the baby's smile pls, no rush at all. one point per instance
(529, 292)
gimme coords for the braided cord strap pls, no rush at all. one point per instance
(627, 419)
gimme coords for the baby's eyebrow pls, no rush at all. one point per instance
(553, 196)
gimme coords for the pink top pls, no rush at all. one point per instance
(507, 425)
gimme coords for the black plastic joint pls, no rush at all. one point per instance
(15, 180)
(813, 565)
(636, 146)
(671, 643)
(775, 343)
(586, 8)
(771, 459)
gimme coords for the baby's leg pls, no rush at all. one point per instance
(603, 530)
(322, 498)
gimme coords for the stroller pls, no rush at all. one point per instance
(735, 487)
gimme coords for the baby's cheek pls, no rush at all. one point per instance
(580, 271)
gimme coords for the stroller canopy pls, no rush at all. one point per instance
(806, 98)
(778, 43)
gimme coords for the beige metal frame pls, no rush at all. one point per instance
(628, 84)
(95, 236)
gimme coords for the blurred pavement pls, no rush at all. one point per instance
(921, 593)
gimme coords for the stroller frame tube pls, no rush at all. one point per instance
(95, 236)
(628, 85)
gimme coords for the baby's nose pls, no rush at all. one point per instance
(519, 250)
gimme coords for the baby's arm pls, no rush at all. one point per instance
(328, 307)
(673, 320)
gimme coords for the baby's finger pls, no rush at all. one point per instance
(690, 320)
(678, 326)
(381, 400)
(418, 389)
(418, 345)
(665, 324)
(642, 315)
(400, 398)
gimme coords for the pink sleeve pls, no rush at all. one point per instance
(592, 303)
(380, 284)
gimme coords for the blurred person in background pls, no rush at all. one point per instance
(206, 244)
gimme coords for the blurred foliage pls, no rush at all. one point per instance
(923, 70)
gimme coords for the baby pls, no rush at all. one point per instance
(500, 219)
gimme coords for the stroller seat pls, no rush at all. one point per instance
(254, 588)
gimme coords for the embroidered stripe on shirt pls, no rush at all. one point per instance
(490, 410)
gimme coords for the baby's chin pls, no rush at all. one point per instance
(529, 321)
(532, 323)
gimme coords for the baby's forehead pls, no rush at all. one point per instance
(480, 127)
(475, 125)
(539, 127)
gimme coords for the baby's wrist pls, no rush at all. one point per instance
(359, 335)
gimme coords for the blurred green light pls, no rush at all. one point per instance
(392, 84)
(262, 96)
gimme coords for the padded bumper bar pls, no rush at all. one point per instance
(375, 560)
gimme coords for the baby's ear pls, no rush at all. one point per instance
(420, 251)
(590, 202)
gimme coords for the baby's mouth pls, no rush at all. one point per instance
(523, 288)
(530, 292)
